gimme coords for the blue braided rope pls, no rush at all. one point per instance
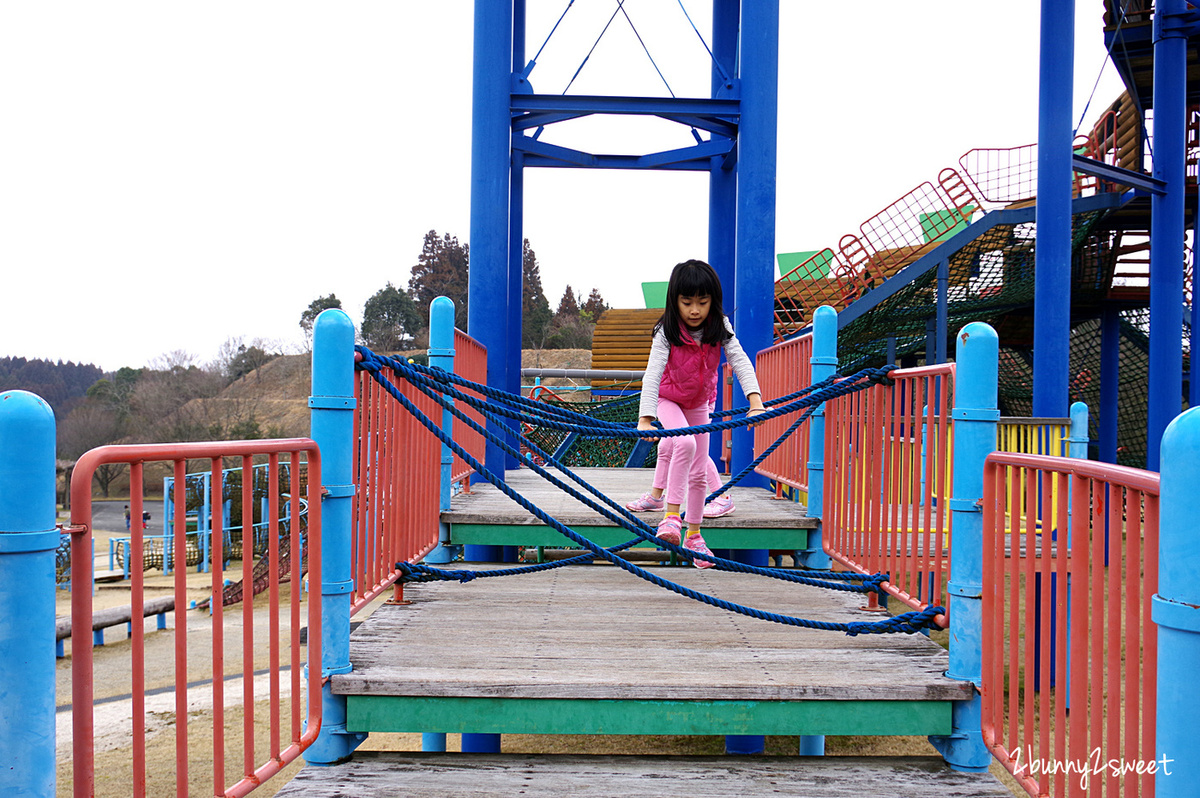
(907, 622)
(639, 527)
(598, 428)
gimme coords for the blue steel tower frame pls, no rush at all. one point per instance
(737, 148)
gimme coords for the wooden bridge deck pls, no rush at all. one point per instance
(596, 650)
(384, 775)
(485, 516)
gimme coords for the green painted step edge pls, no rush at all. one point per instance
(603, 716)
(538, 535)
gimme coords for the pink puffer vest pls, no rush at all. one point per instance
(690, 378)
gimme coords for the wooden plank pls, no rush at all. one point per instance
(716, 534)
(388, 774)
(605, 716)
(485, 504)
(597, 632)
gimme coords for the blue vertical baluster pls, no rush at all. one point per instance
(975, 416)
(28, 540)
(1176, 610)
(332, 423)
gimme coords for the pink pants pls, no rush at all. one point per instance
(684, 467)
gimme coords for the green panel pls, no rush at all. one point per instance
(539, 535)
(596, 716)
(818, 269)
(655, 294)
(940, 225)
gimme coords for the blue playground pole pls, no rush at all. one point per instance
(28, 539)
(1110, 359)
(757, 138)
(1176, 610)
(1166, 224)
(441, 356)
(722, 182)
(1052, 269)
(975, 415)
(824, 364)
(332, 427)
(488, 285)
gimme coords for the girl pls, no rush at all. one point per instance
(680, 387)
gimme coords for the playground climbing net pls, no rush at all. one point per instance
(507, 412)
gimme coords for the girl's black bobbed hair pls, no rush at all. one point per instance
(694, 278)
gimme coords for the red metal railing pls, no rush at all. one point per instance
(888, 482)
(470, 362)
(1069, 648)
(781, 370)
(268, 645)
(397, 465)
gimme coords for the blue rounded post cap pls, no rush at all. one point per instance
(27, 475)
(1179, 557)
(441, 323)
(825, 333)
(333, 349)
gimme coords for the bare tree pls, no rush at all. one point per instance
(88, 426)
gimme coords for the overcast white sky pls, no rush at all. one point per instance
(175, 175)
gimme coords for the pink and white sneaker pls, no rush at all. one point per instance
(696, 543)
(722, 505)
(645, 503)
(669, 529)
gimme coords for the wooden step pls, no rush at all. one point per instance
(597, 650)
(485, 516)
(388, 774)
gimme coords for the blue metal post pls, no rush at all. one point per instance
(757, 134)
(824, 364)
(1176, 610)
(28, 539)
(975, 415)
(331, 420)
(516, 280)
(1166, 225)
(722, 180)
(488, 285)
(1194, 318)
(1077, 440)
(1110, 360)
(942, 313)
(441, 356)
(1052, 269)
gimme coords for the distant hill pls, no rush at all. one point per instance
(277, 393)
(62, 385)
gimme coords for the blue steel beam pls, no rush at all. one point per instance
(626, 106)
(929, 261)
(1115, 174)
(722, 179)
(754, 316)
(697, 157)
(1052, 258)
(487, 283)
(1167, 227)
